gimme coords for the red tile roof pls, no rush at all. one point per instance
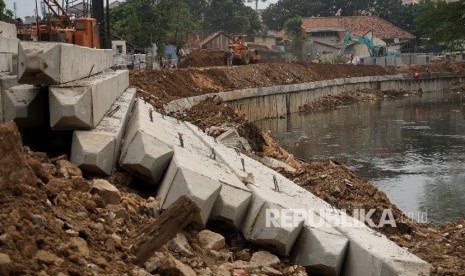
(359, 25)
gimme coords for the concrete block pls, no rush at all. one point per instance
(97, 151)
(26, 105)
(258, 228)
(6, 62)
(380, 61)
(9, 45)
(181, 180)
(82, 104)
(320, 251)
(6, 81)
(58, 63)
(391, 61)
(7, 30)
(399, 62)
(147, 149)
(231, 204)
(422, 59)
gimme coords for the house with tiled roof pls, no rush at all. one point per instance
(330, 31)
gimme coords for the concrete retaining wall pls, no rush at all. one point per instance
(271, 102)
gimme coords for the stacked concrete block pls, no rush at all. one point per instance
(58, 63)
(406, 59)
(147, 150)
(8, 46)
(6, 82)
(97, 150)
(26, 105)
(82, 104)
(391, 61)
(367, 61)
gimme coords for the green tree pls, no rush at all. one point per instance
(231, 16)
(442, 24)
(4, 12)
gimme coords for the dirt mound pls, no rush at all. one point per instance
(160, 87)
(203, 58)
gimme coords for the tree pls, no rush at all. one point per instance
(442, 24)
(231, 16)
(4, 12)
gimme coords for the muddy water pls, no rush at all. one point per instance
(412, 148)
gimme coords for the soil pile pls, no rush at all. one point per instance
(203, 58)
(160, 87)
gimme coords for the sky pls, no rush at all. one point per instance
(27, 7)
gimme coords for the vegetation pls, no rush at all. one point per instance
(4, 12)
(143, 22)
(442, 25)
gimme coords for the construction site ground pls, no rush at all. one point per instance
(443, 246)
(53, 223)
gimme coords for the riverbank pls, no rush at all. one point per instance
(333, 182)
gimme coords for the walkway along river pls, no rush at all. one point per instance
(412, 148)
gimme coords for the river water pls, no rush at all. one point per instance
(412, 148)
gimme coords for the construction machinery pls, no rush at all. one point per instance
(241, 52)
(374, 51)
(83, 31)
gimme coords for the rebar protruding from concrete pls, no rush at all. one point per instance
(151, 115)
(243, 164)
(276, 186)
(213, 154)
(237, 151)
(181, 140)
(91, 69)
(113, 111)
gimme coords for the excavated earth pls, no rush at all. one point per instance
(443, 246)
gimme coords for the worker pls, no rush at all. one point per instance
(351, 58)
(416, 74)
(318, 56)
(229, 56)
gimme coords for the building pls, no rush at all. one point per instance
(326, 34)
(218, 41)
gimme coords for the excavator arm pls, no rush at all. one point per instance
(360, 40)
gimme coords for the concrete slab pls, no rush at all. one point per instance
(26, 105)
(97, 151)
(6, 62)
(9, 45)
(82, 104)
(7, 30)
(58, 63)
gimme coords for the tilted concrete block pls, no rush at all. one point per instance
(9, 45)
(147, 149)
(82, 104)
(231, 204)
(320, 250)
(6, 62)
(7, 30)
(58, 63)
(97, 151)
(26, 105)
(260, 228)
(181, 180)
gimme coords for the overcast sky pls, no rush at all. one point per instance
(27, 7)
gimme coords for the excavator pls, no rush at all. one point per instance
(372, 49)
(241, 52)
